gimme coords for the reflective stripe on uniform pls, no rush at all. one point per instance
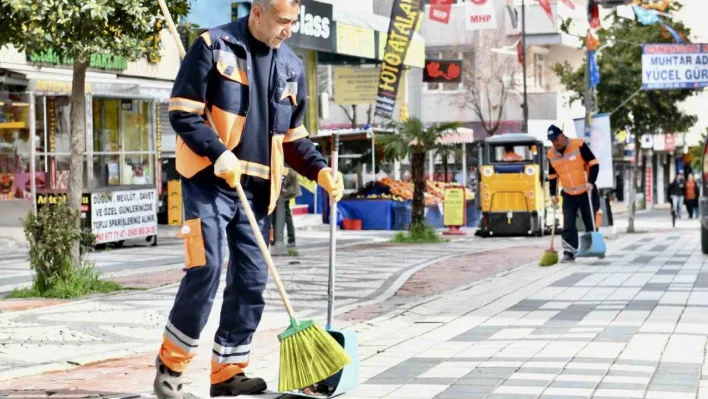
(186, 105)
(255, 169)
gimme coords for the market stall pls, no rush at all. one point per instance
(387, 205)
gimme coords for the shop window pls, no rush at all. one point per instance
(124, 147)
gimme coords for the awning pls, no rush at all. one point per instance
(364, 35)
(57, 81)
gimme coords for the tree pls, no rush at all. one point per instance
(79, 30)
(352, 116)
(414, 140)
(488, 78)
(620, 66)
(697, 153)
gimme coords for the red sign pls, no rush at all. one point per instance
(669, 142)
(442, 71)
(440, 10)
(569, 4)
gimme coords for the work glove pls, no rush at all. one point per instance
(228, 167)
(334, 188)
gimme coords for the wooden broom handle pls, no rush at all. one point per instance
(239, 189)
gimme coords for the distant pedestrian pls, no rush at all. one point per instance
(291, 190)
(677, 189)
(691, 195)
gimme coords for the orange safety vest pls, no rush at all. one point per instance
(570, 167)
(512, 157)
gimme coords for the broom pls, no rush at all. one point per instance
(550, 256)
(308, 353)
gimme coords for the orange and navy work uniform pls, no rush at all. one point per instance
(575, 166)
(257, 98)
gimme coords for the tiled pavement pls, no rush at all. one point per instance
(632, 325)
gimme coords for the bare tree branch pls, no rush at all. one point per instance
(488, 78)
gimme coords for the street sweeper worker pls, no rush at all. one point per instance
(572, 162)
(255, 89)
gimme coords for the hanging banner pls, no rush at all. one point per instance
(674, 66)
(404, 19)
(440, 10)
(480, 15)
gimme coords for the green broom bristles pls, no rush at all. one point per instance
(308, 354)
(549, 258)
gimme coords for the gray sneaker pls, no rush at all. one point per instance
(168, 384)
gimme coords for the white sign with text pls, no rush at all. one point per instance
(122, 215)
(480, 15)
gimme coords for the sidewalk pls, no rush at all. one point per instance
(629, 326)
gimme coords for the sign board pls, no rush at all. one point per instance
(356, 41)
(442, 71)
(440, 10)
(102, 61)
(358, 85)
(404, 21)
(121, 215)
(647, 141)
(454, 206)
(669, 142)
(44, 199)
(480, 15)
(674, 66)
(600, 142)
(315, 28)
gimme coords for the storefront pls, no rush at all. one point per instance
(122, 176)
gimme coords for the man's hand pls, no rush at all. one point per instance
(554, 199)
(334, 188)
(589, 186)
(228, 167)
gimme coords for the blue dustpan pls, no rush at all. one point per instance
(592, 244)
(346, 379)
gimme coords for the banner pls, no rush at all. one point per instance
(600, 143)
(122, 215)
(440, 10)
(480, 15)
(442, 71)
(404, 19)
(674, 66)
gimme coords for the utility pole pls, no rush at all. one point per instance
(525, 105)
(588, 94)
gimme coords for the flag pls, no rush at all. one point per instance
(520, 52)
(440, 10)
(591, 42)
(645, 17)
(671, 30)
(546, 5)
(594, 15)
(594, 70)
(569, 3)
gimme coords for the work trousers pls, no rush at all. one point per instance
(571, 205)
(214, 220)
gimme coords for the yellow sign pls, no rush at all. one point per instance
(57, 86)
(356, 41)
(174, 202)
(454, 206)
(359, 85)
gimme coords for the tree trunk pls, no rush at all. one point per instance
(370, 114)
(418, 171)
(633, 186)
(78, 148)
(353, 116)
(445, 167)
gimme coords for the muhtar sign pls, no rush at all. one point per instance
(674, 66)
